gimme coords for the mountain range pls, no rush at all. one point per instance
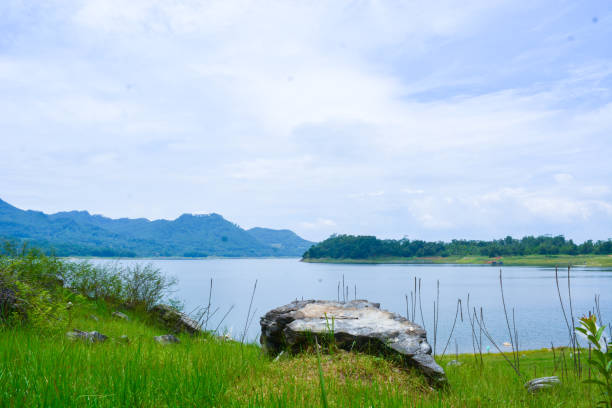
(79, 233)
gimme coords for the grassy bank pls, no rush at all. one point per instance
(43, 368)
(43, 298)
(530, 260)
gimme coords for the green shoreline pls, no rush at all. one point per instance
(529, 260)
(173, 258)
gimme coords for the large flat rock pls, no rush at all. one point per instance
(356, 325)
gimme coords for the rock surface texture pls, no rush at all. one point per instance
(166, 339)
(175, 320)
(356, 325)
(92, 337)
(538, 384)
(120, 315)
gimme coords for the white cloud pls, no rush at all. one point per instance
(366, 195)
(563, 178)
(318, 224)
(412, 191)
(387, 118)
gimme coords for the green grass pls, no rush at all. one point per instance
(528, 260)
(45, 369)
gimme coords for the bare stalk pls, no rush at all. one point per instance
(577, 364)
(224, 316)
(208, 307)
(414, 301)
(569, 330)
(434, 329)
(501, 286)
(248, 314)
(516, 341)
(484, 330)
(420, 304)
(214, 313)
(598, 309)
(480, 340)
(251, 320)
(453, 328)
(437, 314)
(456, 350)
(472, 326)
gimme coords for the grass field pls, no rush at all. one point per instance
(529, 260)
(45, 369)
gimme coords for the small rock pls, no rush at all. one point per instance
(120, 315)
(174, 320)
(454, 363)
(167, 339)
(94, 317)
(92, 337)
(124, 339)
(225, 337)
(538, 384)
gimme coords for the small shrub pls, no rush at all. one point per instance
(37, 288)
(95, 282)
(601, 360)
(145, 285)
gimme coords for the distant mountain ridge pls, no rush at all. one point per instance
(79, 233)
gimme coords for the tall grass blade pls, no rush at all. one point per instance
(321, 379)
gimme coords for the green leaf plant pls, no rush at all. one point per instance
(601, 358)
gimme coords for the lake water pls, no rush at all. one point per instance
(531, 291)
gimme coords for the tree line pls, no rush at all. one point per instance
(364, 247)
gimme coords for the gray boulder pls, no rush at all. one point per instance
(538, 384)
(174, 320)
(92, 337)
(166, 339)
(120, 315)
(356, 325)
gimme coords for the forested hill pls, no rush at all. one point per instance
(78, 233)
(369, 247)
(280, 239)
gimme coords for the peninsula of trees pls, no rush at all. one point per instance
(350, 247)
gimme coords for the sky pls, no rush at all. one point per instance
(429, 120)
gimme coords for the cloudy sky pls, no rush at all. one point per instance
(426, 119)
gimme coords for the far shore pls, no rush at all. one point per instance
(176, 258)
(528, 260)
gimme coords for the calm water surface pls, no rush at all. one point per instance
(530, 291)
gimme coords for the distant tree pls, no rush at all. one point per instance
(364, 247)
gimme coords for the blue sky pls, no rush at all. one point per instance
(434, 120)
